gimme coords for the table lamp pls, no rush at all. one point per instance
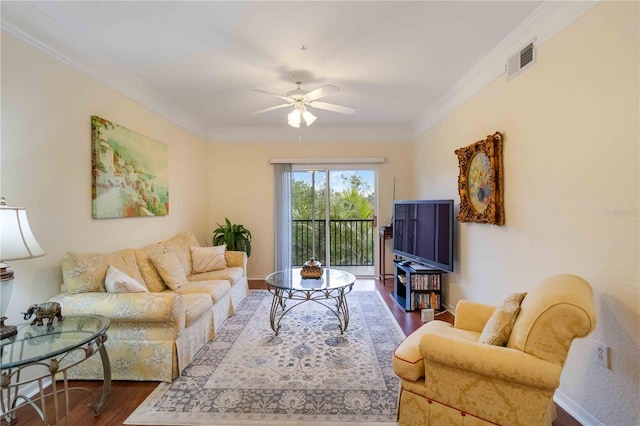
(16, 243)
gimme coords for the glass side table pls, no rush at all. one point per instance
(45, 353)
(329, 291)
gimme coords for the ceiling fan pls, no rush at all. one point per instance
(300, 99)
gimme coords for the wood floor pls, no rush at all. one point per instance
(126, 396)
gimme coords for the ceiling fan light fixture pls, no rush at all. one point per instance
(294, 118)
(308, 117)
(300, 99)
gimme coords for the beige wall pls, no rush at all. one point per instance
(241, 182)
(571, 138)
(46, 167)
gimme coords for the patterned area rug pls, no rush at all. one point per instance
(308, 374)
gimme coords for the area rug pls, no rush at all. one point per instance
(308, 374)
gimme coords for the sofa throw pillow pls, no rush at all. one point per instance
(170, 269)
(180, 246)
(85, 272)
(207, 259)
(498, 329)
(117, 281)
(149, 273)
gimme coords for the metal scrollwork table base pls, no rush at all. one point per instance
(329, 291)
(43, 354)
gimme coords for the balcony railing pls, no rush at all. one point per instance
(351, 241)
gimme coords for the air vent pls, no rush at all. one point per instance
(521, 60)
(526, 56)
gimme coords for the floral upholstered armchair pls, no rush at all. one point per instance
(496, 365)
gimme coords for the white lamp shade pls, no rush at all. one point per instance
(16, 239)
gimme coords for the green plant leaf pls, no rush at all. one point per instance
(235, 236)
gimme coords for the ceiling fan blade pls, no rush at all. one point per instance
(321, 92)
(284, 98)
(270, 109)
(332, 107)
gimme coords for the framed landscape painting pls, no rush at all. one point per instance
(129, 172)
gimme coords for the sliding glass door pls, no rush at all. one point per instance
(333, 218)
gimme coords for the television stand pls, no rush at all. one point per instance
(417, 286)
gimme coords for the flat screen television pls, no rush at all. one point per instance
(423, 232)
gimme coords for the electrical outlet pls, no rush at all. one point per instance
(602, 355)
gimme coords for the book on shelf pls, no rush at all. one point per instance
(425, 282)
(425, 301)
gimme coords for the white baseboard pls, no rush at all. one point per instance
(29, 391)
(576, 411)
(451, 310)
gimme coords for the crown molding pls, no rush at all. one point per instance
(141, 93)
(546, 21)
(14, 22)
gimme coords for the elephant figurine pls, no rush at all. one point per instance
(44, 310)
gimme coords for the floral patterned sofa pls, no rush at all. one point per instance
(165, 301)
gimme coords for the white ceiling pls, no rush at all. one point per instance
(197, 62)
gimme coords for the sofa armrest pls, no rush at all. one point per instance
(236, 258)
(126, 307)
(494, 362)
(472, 316)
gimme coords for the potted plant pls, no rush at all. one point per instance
(236, 237)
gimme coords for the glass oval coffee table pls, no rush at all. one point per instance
(329, 291)
(43, 353)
